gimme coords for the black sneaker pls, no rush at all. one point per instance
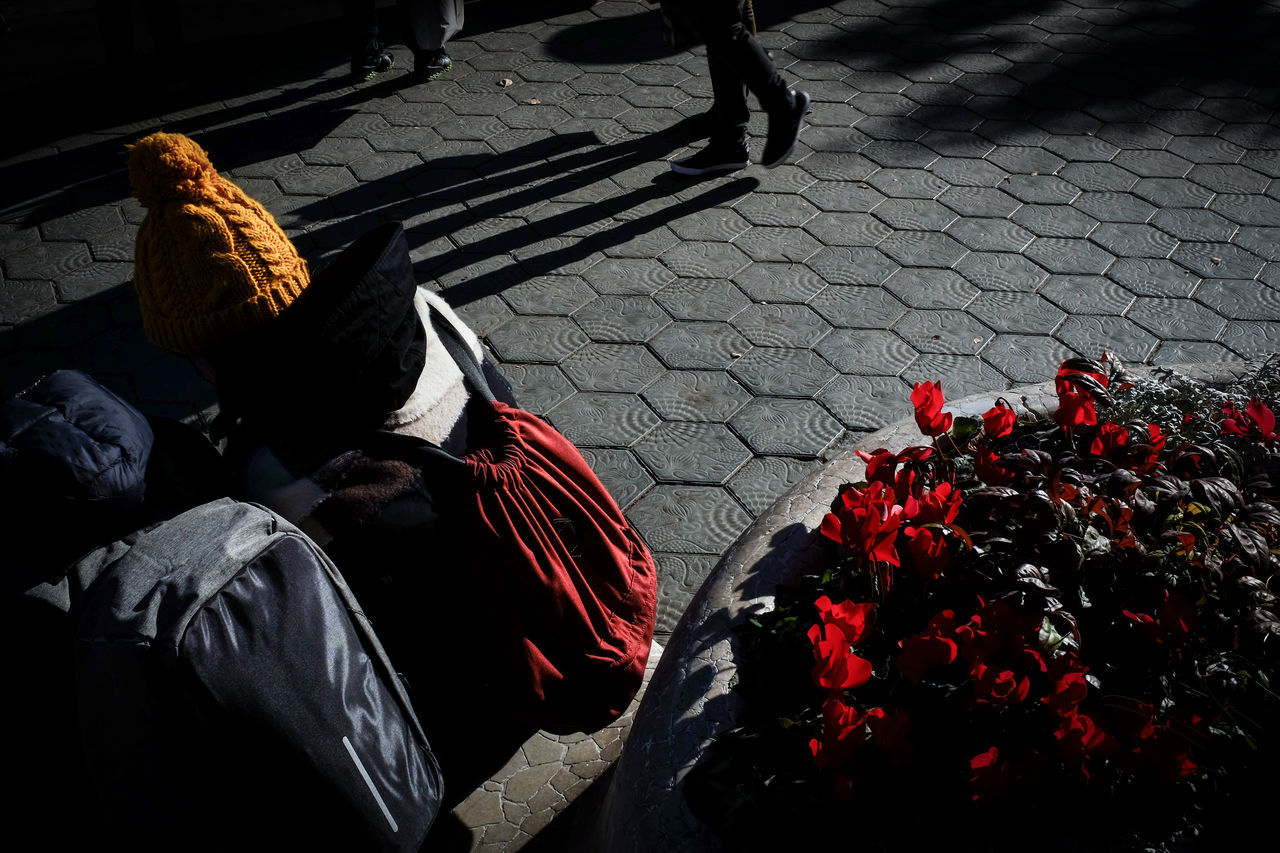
(784, 128)
(713, 158)
(374, 62)
(430, 64)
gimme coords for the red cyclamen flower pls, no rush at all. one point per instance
(999, 420)
(927, 398)
(1075, 408)
(836, 667)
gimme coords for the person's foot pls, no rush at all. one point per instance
(375, 61)
(715, 157)
(430, 64)
(784, 128)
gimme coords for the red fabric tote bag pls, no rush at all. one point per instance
(568, 588)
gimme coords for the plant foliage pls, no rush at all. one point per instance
(1048, 631)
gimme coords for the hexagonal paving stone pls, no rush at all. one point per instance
(980, 201)
(699, 345)
(767, 282)
(764, 479)
(990, 235)
(1177, 318)
(847, 229)
(1149, 277)
(622, 318)
(1115, 207)
(867, 352)
(907, 183)
(837, 166)
(702, 299)
(620, 472)
(536, 339)
(688, 519)
(1132, 240)
(538, 387)
(549, 294)
(1217, 260)
(617, 276)
(1025, 160)
(82, 224)
(1251, 338)
(603, 419)
(959, 375)
(44, 261)
(967, 172)
(852, 265)
(1066, 256)
(680, 576)
(782, 371)
(1001, 271)
(773, 426)
(1240, 299)
(775, 209)
(782, 325)
(928, 288)
(914, 214)
(1228, 178)
(1054, 220)
(22, 301)
(943, 331)
(1098, 177)
(709, 225)
(612, 367)
(1247, 209)
(1262, 241)
(685, 452)
(1087, 294)
(856, 307)
(1172, 192)
(636, 243)
(1092, 336)
(842, 197)
(1019, 313)
(317, 180)
(1026, 358)
(768, 243)
(1191, 352)
(88, 281)
(867, 402)
(922, 249)
(704, 259)
(1199, 225)
(696, 395)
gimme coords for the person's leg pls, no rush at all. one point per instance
(367, 54)
(429, 23)
(726, 150)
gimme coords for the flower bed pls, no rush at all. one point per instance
(1057, 627)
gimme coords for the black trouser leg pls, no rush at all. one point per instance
(737, 63)
(361, 20)
(428, 24)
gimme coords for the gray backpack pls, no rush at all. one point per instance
(233, 696)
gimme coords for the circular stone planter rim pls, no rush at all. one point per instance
(689, 701)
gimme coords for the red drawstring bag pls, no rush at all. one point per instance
(568, 589)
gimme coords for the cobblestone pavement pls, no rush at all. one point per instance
(983, 190)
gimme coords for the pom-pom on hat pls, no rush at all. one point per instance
(210, 262)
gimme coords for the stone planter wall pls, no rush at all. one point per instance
(688, 701)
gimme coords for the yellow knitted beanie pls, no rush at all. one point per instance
(210, 262)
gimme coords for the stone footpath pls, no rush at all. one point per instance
(984, 190)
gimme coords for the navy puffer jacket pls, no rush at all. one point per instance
(73, 467)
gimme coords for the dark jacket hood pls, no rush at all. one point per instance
(344, 354)
(73, 464)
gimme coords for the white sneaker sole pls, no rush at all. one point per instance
(680, 169)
